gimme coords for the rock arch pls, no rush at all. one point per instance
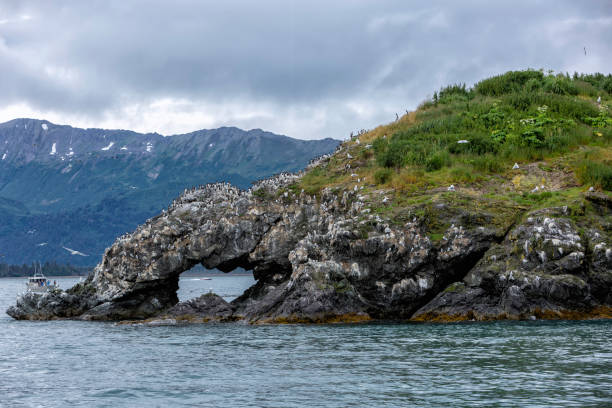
(309, 260)
(327, 259)
(314, 259)
(218, 226)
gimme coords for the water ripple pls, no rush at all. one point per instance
(501, 364)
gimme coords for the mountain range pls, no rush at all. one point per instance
(66, 193)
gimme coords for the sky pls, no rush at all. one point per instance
(307, 69)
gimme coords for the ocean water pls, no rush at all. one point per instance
(502, 364)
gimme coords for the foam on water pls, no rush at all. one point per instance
(505, 364)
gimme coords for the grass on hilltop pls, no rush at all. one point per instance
(473, 136)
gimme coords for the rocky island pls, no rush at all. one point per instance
(485, 203)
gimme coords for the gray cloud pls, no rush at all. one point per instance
(307, 69)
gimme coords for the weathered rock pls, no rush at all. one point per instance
(544, 268)
(55, 304)
(326, 259)
(206, 308)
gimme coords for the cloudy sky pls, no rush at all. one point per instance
(307, 69)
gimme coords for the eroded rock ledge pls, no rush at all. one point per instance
(328, 258)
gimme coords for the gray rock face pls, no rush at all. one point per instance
(544, 268)
(326, 259)
(206, 308)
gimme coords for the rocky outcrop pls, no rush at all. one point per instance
(329, 258)
(547, 267)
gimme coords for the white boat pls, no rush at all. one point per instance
(39, 283)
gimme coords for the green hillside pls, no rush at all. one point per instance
(473, 137)
(521, 140)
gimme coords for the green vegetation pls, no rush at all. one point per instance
(468, 135)
(552, 126)
(382, 176)
(597, 174)
(519, 116)
(315, 180)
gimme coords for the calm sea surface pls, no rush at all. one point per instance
(509, 364)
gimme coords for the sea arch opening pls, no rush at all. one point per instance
(200, 280)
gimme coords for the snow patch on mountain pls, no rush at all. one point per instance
(53, 149)
(109, 146)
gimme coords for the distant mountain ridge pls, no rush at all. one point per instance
(66, 193)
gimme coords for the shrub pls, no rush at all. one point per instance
(600, 121)
(478, 144)
(511, 81)
(392, 154)
(521, 100)
(560, 85)
(597, 80)
(437, 161)
(538, 197)
(533, 85)
(494, 117)
(451, 93)
(573, 108)
(382, 176)
(426, 104)
(607, 85)
(488, 164)
(595, 173)
(406, 181)
(418, 153)
(462, 174)
(585, 88)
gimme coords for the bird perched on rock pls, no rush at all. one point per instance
(451, 187)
